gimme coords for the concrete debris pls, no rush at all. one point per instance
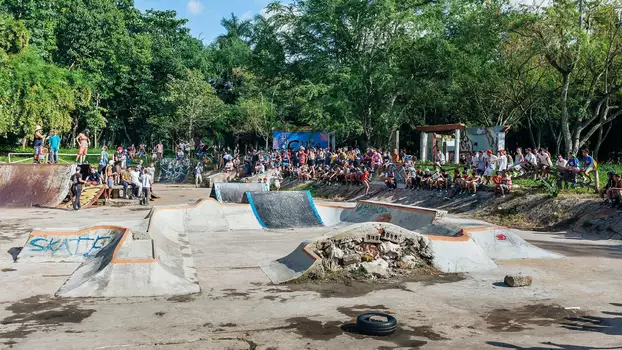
(408, 262)
(335, 253)
(377, 268)
(392, 253)
(351, 259)
(518, 280)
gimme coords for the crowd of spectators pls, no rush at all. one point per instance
(352, 166)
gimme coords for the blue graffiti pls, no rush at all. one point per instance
(82, 245)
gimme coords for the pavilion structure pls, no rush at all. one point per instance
(432, 141)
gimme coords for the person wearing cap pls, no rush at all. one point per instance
(38, 143)
(54, 142)
(83, 143)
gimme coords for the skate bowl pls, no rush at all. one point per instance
(232, 192)
(27, 185)
(280, 210)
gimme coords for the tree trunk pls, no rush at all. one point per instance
(531, 135)
(565, 122)
(126, 134)
(74, 134)
(24, 142)
(602, 135)
(98, 137)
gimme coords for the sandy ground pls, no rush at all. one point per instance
(574, 303)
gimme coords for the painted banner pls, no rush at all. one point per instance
(294, 140)
(483, 139)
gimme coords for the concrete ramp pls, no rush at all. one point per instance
(232, 192)
(405, 216)
(502, 243)
(281, 210)
(128, 268)
(291, 266)
(450, 254)
(90, 195)
(26, 185)
(72, 246)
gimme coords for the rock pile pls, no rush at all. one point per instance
(378, 251)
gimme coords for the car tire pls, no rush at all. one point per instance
(366, 325)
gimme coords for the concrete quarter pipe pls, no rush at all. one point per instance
(231, 192)
(278, 210)
(26, 185)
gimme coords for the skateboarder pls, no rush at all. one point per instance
(76, 188)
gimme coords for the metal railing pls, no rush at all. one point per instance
(31, 157)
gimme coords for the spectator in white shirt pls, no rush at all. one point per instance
(146, 183)
(135, 181)
(561, 162)
(503, 161)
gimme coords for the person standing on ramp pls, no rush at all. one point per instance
(83, 142)
(38, 143)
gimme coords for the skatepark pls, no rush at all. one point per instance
(196, 272)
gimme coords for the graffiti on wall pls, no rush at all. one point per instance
(69, 246)
(294, 140)
(483, 139)
(173, 170)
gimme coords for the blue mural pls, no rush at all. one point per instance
(282, 140)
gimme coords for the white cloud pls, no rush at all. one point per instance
(195, 7)
(264, 13)
(247, 15)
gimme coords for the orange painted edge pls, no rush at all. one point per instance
(334, 206)
(115, 254)
(77, 233)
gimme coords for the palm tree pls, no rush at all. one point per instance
(236, 29)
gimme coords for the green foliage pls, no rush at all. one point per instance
(361, 69)
(194, 104)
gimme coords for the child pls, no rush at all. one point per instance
(498, 180)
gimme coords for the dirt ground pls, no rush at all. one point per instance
(574, 303)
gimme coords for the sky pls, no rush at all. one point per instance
(204, 15)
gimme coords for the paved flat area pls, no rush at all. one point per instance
(574, 303)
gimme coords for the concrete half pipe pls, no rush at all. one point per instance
(26, 185)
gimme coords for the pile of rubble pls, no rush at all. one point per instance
(373, 250)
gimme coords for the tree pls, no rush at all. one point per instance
(582, 44)
(194, 105)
